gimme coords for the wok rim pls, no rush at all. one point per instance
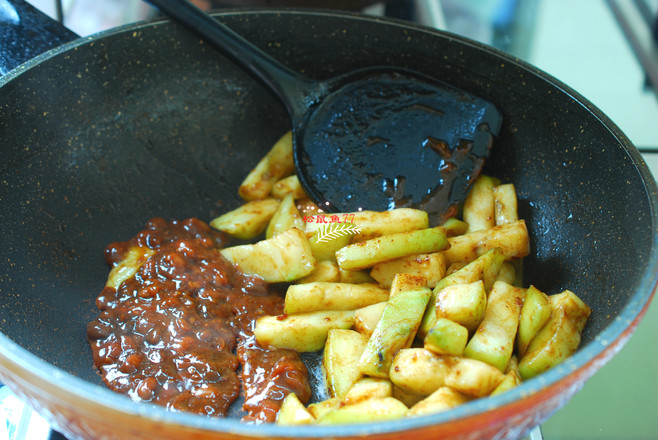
(605, 344)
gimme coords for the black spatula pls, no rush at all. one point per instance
(377, 138)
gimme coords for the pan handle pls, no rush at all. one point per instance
(26, 32)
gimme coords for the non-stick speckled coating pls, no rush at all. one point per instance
(147, 121)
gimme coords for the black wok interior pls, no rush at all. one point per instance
(150, 122)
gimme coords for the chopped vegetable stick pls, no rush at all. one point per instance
(366, 318)
(325, 271)
(325, 249)
(355, 276)
(370, 410)
(277, 163)
(535, 313)
(128, 267)
(440, 400)
(311, 297)
(247, 221)
(447, 337)
(284, 257)
(493, 342)
(419, 371)
(472, 377)
(395, 330)
(559, 337)
(368, 388)
(304, 332)
(293, 412)
(512, 238)
(507, 273)
(464, 304)
(285, 217)
(432, 267)
(389, 247)
(340, 360)
(375, 224)
(405, 281)
(406, 397)
(511, 380)
(485, 268)
(288, 185)
(478, 211)
(455, 227)
(319, 409)
(505, 204)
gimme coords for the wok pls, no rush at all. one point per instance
(103, 133)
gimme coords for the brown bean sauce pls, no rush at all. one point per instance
(179, 332)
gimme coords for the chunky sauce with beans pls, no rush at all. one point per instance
(179, 332)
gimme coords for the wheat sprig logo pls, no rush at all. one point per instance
(332, 231)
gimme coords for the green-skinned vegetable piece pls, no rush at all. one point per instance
(395, 330)
(485, 268)
(535, 313)
(493, 342)
(286, 216)
(284, 257)
(389, 247)
(559, 338)
(447, 337)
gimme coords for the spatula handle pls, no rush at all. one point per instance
(290, 87)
